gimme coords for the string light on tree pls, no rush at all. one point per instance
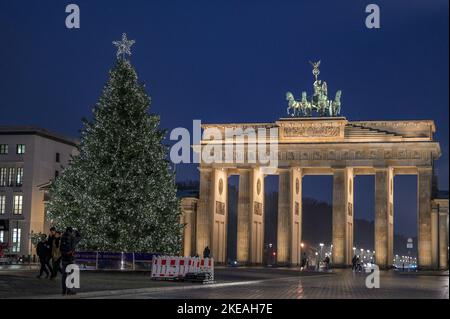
(120, 191)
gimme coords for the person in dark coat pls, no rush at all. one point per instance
(354, 262)
(43, 251)
(51, 237)
(67, 246)
(327, 262)
(56, 255)
(206, 252)
(304, 260)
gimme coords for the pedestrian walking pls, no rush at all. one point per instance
(68, 244)
(51, 236)
(43, 252)
(56, 255)
(354, 259)
(327, 262)
(206, 252)
(304, 259)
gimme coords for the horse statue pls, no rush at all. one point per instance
(298, 108)
(306, 106)
(336, 104)
(294, 106)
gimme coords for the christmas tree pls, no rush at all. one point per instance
(120, 191)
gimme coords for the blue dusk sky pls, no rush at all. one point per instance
(233, 61)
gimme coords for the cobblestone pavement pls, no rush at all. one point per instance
(19, 282)
(245, 283)
(343, 285)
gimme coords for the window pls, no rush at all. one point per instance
(19, 176)
(57, 158)
(3, 172)
(20, 149)
(2, 236)
(3, 149)
(2, 204)
(11, 176)
(18, 204)
(56, 174)
(16, 240)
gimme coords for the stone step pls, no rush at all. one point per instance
(356, 131)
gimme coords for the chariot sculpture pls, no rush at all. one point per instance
(318, 102)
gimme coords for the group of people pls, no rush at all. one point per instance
(304, 264)
(56, 252)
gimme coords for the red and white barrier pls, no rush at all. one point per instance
(167, 267)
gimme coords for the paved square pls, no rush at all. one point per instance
(241, 283)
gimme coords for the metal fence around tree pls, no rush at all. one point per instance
(97, 260)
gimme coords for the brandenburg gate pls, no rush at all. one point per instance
(317, 144)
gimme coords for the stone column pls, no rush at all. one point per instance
(434, 236)
(250, 235)
(443, 239)
(205, 211)
(257, 217)
(219, 189)
(188, 219)
(424, 228)
(289, 216)
(296, 213)
(384, 217)
(243, 218)
(342, 216)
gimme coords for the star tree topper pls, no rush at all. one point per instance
(123, 46)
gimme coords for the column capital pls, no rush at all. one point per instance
(205, 169)
(223, 169)
(338, 168)
(345, 169)
(383, 168)
(297, 169)
(425, 169)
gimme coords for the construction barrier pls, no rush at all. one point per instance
(172, 267)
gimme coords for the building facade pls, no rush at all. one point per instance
(29, 158)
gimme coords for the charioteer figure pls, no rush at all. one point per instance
(319, 102)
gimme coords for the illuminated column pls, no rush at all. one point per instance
(219, 214)
(257, 217)
(424, 207)
(243, 218)
(250, 235)
(434, 237)
(384, 217)
(188, 220)
(289, 216)
(204, 210)
(443, 238)
(342, 216)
